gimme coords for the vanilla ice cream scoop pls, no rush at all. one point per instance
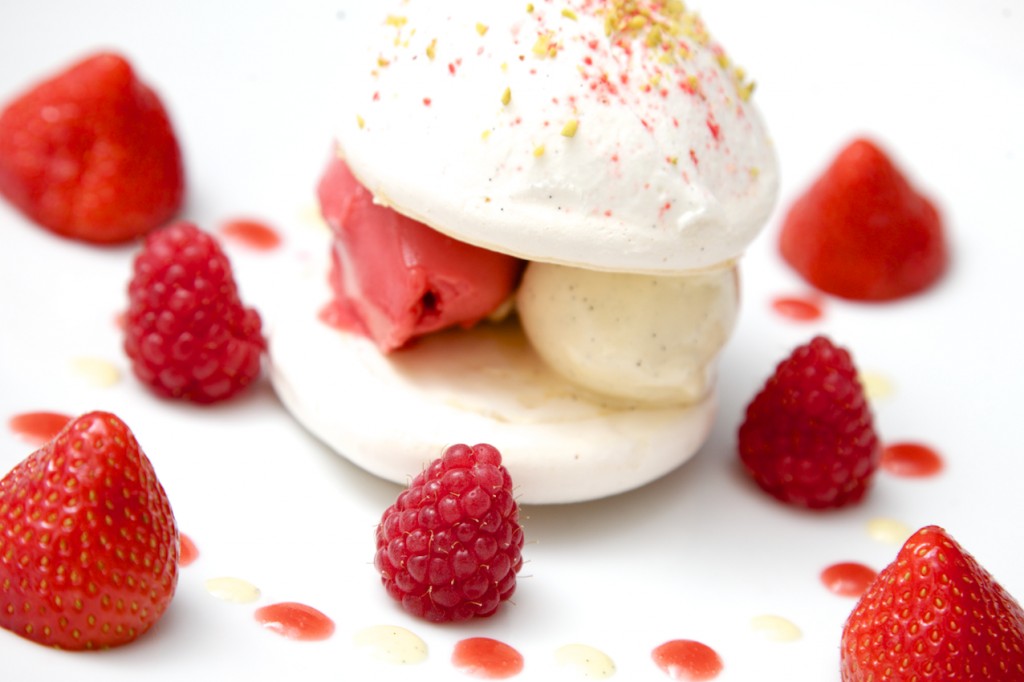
(641, 339)
(610, 135)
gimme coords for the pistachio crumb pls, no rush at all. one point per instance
(569, 130)
(481, 28)
(432, 49)
(506, 96)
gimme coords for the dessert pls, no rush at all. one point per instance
(934, 613)
(863, 232)
(607, 151)
(698, 555)
(91, 153)
(88, 541)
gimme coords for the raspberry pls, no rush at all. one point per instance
(187, 333)
(450, 546)
(808, 438)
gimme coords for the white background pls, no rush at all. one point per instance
(251, 88)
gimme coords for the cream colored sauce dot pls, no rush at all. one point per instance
(96, 371)
(876, 386)
(392, 644)
(776, 628)
(589, 663)
(233, 590)
(889, 531)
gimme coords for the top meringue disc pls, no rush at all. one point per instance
(611, 135)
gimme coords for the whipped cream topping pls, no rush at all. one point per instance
(614, 134)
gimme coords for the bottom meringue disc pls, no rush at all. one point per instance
(392, 415)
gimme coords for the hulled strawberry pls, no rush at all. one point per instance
(187, 333)
(88, 541)
(91, 153)
(808, 437)
(862, 232)
(934, 614)
(450, 546)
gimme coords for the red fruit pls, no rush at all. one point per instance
(934, 614)
(808, 437)
(187, 333)
(450, 547)
(88, 541)
(91, 154)
(862, 232)
(397, 277)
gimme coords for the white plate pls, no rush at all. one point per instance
(698, 554)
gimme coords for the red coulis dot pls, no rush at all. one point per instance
(487, 658)
(686, 659)
(914, 460)
(187, 550)
(848, 579)
(295, 621)
(797, 308)
(38, 427)
(251, 233)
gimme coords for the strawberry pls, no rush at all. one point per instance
(88, 541)
(934, 614)
(91, 154)
(862, 232)
(187, 333)
(808, 437)
(450, 546)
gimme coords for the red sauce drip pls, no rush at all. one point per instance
(913, 460)
(38, 428)
(251, 233)
(187, 552)
(487, 658)
(798, 308)
(295, 621)
(848, 579)
(685, 659)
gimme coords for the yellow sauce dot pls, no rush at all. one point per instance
(392, 644)
(889, 531)
(876, 386)
(586, 661)
(96, 371)
(234, 590)
(506, 96)
(776, 628)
